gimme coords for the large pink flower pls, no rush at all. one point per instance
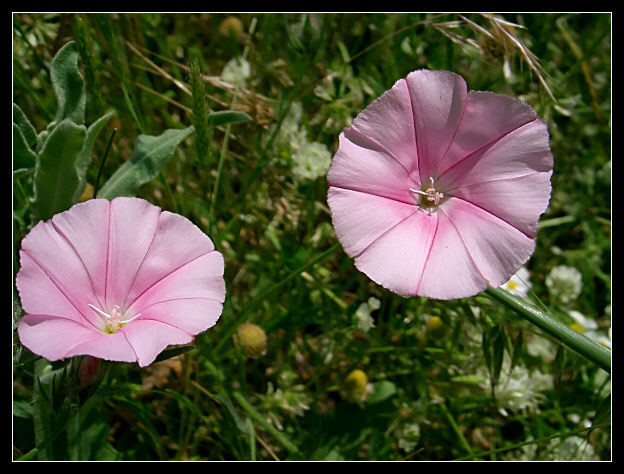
(117, 280)
(437, 192)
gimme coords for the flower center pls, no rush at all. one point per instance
(115, 320)
(429, 197)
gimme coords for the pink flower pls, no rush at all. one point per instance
(117, 280)
(437, 192)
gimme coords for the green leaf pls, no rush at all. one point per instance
(150, 155)
(223, 117)
(169, 353)
(603, 412)
(56, 176)
(68, 85)
(23, 156)
(498, 351)
(381, 391)
(22, 409)
(84, 158)
(29, 132)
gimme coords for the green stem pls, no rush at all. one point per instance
(456, 429)
(101, 168)
(262, 422)
(533, 441)
(579, 343)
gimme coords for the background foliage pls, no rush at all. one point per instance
(433, 380)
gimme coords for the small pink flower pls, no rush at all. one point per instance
(117, 280)
(437, 192)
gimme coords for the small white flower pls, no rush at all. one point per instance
(520, 283)
(363, 314)
(564, 283)
(236, 72)
(312, 161)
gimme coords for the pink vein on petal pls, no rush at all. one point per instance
(484, 146)
(464, 243)
(60, 232)
(381, 148)
(409, 90)
(169, 274)
(143, 308)
(390, 198)
(494, 215)
(422, 272)
(141, 264)
(43, 269)
(385, 232)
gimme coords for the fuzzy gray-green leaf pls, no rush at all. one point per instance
(84, 158)
(68, 85)
(150, 155)
(56, 177)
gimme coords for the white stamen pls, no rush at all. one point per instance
(131, 319)
(101, 312)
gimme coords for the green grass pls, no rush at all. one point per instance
(430, 396)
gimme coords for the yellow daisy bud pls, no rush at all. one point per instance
(436, 327)
(231, 26)
(355, 386)
(252, 340)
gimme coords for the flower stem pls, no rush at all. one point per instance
(258, 418)
(579, 343)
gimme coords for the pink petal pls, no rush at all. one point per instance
(177, 241)
(40, 295)
(487, 118)
(396, 259)
(523, 151)
(517, 201)
(149, 338)
(133, 223)
(360, 218)
(58, 260)
(191, 315)
(496, 252)
(399, 139)
(450, 271)
(361, 165)
(202, 277)
(114, 347)
(40, 334)
(438, 99)
(86, 229)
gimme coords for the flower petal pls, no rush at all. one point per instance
(148, 338)
(360, 218)
(133, 225)
(498, 252)
(518, 201)
(360, 165)
(191, 315)
(450, 271)
(523, 151)
(388, 121)
(40, 294)
(201, 277)
(86, 229)
(438, 99)
(396, 259)
(177, 241)
(37, 333)
(487, 118)
(58, 260)
(114, 347)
